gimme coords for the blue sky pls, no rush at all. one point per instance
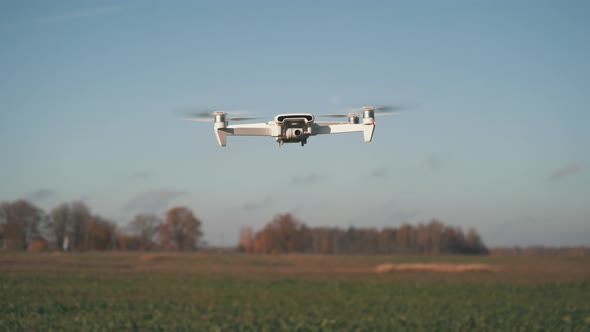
(496, 137)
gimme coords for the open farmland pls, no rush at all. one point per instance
(160, 291)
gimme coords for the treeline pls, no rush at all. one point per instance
(285, 234)
(72, 226)
(540, 251)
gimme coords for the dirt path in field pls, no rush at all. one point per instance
(435, 267)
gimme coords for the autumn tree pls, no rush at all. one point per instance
(181, 230)
(145, 228)
(284, 234)
(246, 240)
(99, 234)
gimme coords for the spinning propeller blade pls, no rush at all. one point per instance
(199, 119)
(243, 118)
(209, 116)
(382, 110)
(378, 111)
(333, 115)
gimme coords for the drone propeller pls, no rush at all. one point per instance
(333, 115)
(243, 118)
(378, 111)
(231, 118)
(209, 116)
(200, 119)
(382, 110)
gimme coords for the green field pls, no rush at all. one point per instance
(159, 292)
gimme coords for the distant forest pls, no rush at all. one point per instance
(285, 234)
(72, 226)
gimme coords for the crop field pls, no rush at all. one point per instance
(231, 292)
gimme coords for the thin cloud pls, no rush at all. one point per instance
(153, 201)
(250, 206)
(77, 14)
(405, 215)
(306, 179)
(84, 198)
(139, 176)
(41, 195)
(431, 163)
(565, 171)
(379, 173)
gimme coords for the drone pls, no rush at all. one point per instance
(294, 127)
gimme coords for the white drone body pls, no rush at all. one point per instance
(293, 127)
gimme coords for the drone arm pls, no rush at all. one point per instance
(251, 129)
(336, 128)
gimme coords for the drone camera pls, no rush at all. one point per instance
(294, 132)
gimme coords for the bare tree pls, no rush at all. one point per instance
(145, 227)
(4, 210)
(58, 223)
(473, 243)
(69, 220)
(435, 232)
(181, 231)
(21, 221)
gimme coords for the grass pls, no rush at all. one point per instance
(158, 292)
